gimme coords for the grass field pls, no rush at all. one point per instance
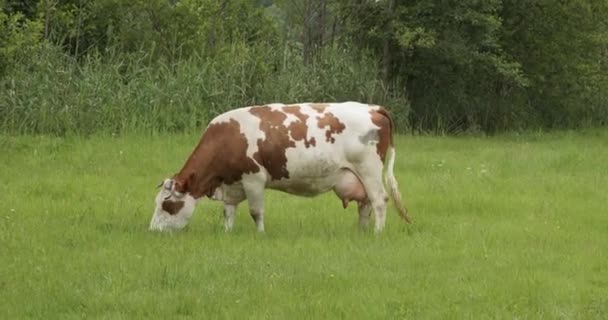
(507, 227)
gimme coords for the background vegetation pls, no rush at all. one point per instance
(76, 66)
(509, 226)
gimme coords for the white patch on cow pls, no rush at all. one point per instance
(290, 119)
(275, 106)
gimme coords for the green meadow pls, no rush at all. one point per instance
(513, 226)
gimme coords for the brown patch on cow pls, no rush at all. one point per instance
(382, 119)
(271, 150)
(172, 207)
(334, 124)
(220, 157)
(319, 107)
(299, 129)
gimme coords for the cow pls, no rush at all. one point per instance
(302, 149)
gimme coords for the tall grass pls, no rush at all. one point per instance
(55, 95)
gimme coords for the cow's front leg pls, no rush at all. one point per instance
(255, 198)
(231, 195)
(229, 214)
(256, 209)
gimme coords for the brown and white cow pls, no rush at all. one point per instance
(302, 149)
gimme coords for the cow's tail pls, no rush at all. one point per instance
(389, 176)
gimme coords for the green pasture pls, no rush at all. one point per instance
(505, 227)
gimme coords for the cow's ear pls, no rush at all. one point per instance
(167, 184)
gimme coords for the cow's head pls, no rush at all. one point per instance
(173, 208)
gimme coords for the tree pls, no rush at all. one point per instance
(562, 47)
(446, 54)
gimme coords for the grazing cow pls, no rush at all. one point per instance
(302, 149)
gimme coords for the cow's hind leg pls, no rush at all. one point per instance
(365, 211)
(370, 173)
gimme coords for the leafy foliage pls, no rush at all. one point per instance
(19, 39)
(444, 65)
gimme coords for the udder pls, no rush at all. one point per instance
(349, 188)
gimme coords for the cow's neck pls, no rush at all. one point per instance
(198, 177)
